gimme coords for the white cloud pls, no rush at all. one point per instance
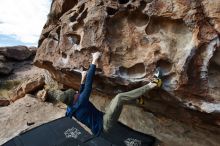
(23, 18)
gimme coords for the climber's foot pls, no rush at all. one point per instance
(157, 77)
(158, 73)
(140, 101)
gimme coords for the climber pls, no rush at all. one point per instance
(83, 110)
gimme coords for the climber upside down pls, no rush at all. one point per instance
(79, 106)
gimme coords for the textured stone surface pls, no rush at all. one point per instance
(33, 50)
(5, 68)
(26, 87)
(2, 58)
(4, 102)
(12, 58)
(16, 52)
(180, 36)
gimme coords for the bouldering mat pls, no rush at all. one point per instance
(122, 135)
(67, 132)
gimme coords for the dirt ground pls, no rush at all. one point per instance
(24, 114)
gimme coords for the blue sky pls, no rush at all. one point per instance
(21, 21)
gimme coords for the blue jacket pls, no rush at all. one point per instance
(83, 110)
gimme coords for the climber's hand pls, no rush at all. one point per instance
(95, 57)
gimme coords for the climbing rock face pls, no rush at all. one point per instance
(136, 36)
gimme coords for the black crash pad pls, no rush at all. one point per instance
(67, 132)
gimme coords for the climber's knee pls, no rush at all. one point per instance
(119, 98)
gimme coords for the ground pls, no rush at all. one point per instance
(16, 117)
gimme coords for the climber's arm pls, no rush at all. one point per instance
(85, 94)
(82, 86)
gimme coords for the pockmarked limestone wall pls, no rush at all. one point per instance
(136, 36)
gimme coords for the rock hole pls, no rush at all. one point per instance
(51, 45)
(142, 5)
(53, 36)
(74, 38)
(73, 18)
(46, 34)
(216, 57)
(136, 72)
(157, 52)
(40, 41)
(82, 16)
(153, 27)
(64, 55)
(158, 24)
(190, 104)
(165, 66)
(67, 5)
(111, 11)
(214, 76)
(76, 26)
(123, 1)
(130, 6)
(58, 32)
(138, 18)
(82, 7)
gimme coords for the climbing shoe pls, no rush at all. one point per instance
(158, 81)
(140, 101)
(157, 77)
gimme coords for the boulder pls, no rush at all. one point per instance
(5, 68)
(16, 52)
(4, 102)
(33, 50)
(135, 37)
(2, 58)
(42, 94)
(26, 87)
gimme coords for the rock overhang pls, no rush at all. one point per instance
(135, 37)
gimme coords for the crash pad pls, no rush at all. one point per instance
(67, 132)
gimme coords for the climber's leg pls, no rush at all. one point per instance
(114, 110)
(112, 114)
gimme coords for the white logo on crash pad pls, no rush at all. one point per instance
(72, 133)
(132, 142)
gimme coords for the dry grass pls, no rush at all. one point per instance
(5, 86)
